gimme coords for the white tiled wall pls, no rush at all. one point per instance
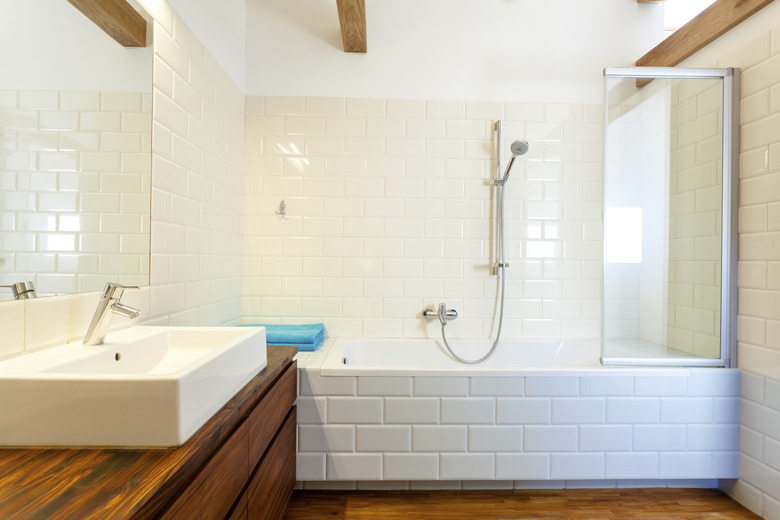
(198, 183)
(606, 431)
(75, 170)
(692, 313)
(389, 211)
(197, 204)
(759, 447)
(759, 264)
(759, 254)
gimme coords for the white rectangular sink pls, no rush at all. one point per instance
(145, 386)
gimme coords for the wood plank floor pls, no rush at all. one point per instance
(601, 504)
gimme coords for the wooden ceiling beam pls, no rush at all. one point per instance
(352, 18)
(117, 18)
(711, 23)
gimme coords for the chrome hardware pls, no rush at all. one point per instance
(22, 290)
(282, 211)
(442, 314)
(107, 307)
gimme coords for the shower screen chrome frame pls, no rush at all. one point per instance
(730, 209)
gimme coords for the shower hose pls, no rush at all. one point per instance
(500, 265)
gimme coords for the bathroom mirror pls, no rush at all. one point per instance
(75, 152)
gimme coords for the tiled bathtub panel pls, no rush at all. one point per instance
(384, 438)
(438, 437)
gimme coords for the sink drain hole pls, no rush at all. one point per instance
(117, 356)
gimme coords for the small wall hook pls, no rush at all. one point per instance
(282, 211)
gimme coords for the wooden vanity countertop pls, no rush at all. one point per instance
(122, 484)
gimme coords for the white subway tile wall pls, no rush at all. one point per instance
(197, 195)
(75, 169)
(389, 211)
(198, 184)
(758, 328)
(518, 428)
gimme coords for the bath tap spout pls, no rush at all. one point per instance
(442, 314)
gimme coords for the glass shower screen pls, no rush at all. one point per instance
(669, 216)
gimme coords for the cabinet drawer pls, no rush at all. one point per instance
(212, 493)
(222, 489)
(267, 417)
(273, 484)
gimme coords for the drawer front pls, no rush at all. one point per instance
(271, 488)
(267, 417)
(214, 490)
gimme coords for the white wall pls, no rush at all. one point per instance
(754, 46)
(389, 212)
(509, 50)
(50, 45)
(221, 28)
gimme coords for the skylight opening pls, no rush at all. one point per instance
(679, 12)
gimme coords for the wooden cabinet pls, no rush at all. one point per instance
(253, 474)
(271, 487)
(214, 490)
(239, 511)
(239, 466)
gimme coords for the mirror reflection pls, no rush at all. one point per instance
(75, 152)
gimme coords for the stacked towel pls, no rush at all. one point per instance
(305, 337)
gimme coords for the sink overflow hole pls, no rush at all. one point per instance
(117, 356)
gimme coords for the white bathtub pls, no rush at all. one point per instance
(535, 411)
(512, 358)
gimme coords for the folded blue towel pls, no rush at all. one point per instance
(305, 337)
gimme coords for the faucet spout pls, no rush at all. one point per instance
(108, 306)
(125, 310)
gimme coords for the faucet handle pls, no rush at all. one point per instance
(113, 288)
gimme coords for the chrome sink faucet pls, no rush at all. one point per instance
(108, 306)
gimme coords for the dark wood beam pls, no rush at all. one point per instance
(117, 18)
(352, 18)
(711, 23)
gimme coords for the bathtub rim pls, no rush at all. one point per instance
(332, 367)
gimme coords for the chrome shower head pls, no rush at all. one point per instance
(519, 147)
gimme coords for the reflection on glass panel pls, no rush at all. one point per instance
(663, 198)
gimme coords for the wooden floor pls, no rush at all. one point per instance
(601, 504)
